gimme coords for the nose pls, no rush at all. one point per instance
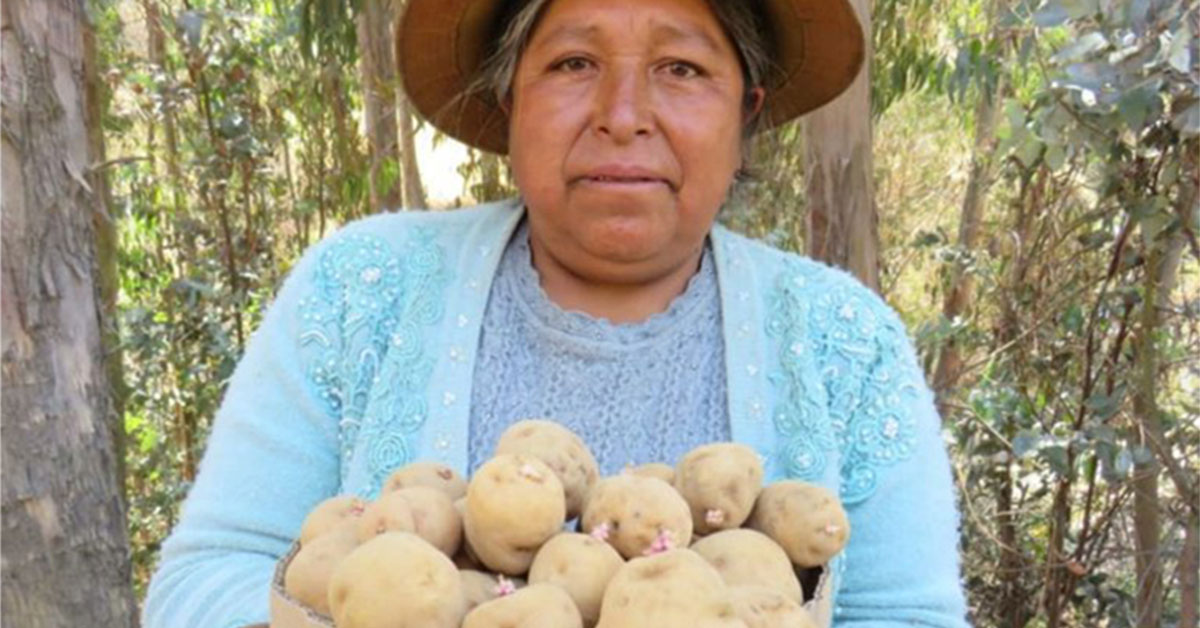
(623, 105)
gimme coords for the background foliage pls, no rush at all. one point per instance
(1035, 172)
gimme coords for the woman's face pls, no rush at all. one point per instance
(625, 133)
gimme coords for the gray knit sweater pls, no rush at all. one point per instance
(636, 393)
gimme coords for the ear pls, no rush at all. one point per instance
(755, 99)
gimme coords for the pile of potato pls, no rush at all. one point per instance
(700, 545)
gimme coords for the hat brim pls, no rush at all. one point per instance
(440, 44)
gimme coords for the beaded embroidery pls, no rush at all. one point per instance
(857, 345)
(372, 307)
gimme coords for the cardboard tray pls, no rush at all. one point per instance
(288, 613)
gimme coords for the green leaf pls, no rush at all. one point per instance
(133, 422)
(1188, 120)
(1029, 150)
(1104, 406)
(1056, 457)
(1051, 14)
(1107, 453)
(926, 238)
(1079, 9)
(1025, 442)
(1080, 49)
(192, 25)
(1142, 454)
(1140, 105)
(1095, 239)
(148, 440)
(1073, 319)
(1056, 156)
(1101, 433)
(1154, 216)
(1123, 463)
(1015, 113)
(1180, 56)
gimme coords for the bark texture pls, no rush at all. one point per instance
(843, 226)
(378, 68)
(64, 547)
(1162, 268)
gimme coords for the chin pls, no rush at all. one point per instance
(624, 242)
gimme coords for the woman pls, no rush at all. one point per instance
(606, 297)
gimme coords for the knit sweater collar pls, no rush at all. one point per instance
(518, 279)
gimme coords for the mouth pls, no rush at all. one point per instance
(623, 181)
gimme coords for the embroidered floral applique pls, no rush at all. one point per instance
(857, 346)
(371, 306)
(805, 438)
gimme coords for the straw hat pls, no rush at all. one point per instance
(441, 43)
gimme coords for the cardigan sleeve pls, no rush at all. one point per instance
(272, 455)
(902, 562)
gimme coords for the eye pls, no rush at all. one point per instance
(572, 64)
(683, 69)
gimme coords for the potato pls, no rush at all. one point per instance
(430, 475)
(664, 472)
(466, 558)
(674, 589)
(390, 513)
(765, 607)
(480, 587)
(579, 564)
(397, 580)
(434, 517)
(562, 450)
(749, 557)
(806, 520)
(720, 482)
(327, 514)
(307, 577)
(515, 503)
(637, 515)
(535, 606)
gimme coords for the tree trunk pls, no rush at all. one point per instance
(108, 276)
(842, 226)
(1016, 588)
(1146, 503)
(345, 155)
(1186, 485)
(1162, 266)
(65, 552)
(378, 68)
(414, 191)
(1013, 597)
(1189, 574)
(962, 282)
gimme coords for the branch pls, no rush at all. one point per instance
(117, 161)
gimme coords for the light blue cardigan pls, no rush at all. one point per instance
(365, 361)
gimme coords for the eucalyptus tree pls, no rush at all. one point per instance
(65, 553)
(1073, 389)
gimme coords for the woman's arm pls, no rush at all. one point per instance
(272, 455)
(902, 561)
